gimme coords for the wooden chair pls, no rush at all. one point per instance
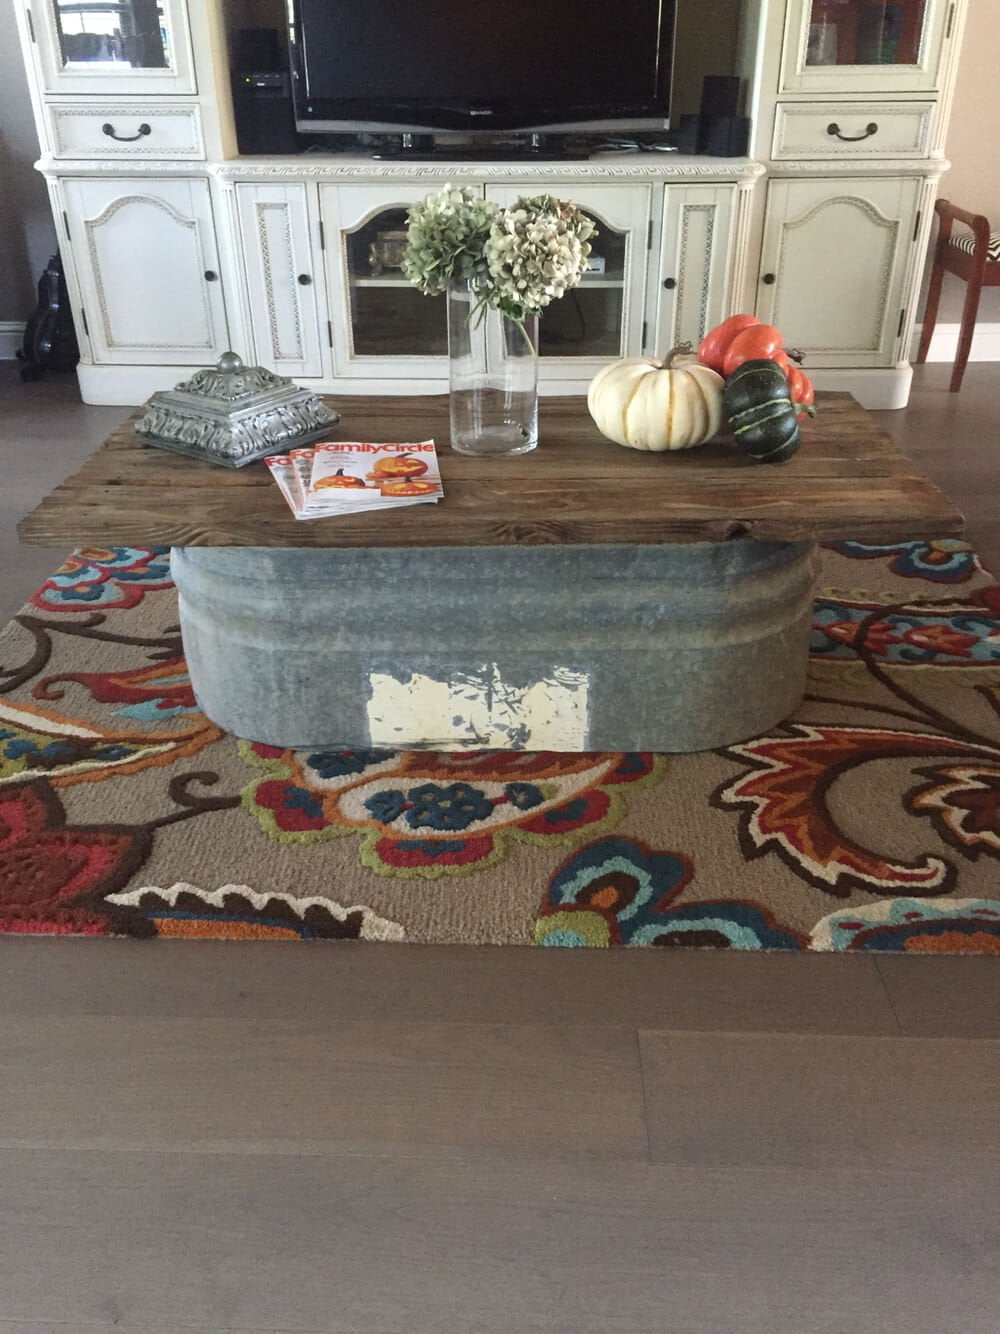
(974, 258)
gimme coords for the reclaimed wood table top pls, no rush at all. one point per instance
(848, 480)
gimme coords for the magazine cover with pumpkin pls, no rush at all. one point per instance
(345, 477)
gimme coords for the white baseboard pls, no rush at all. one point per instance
(11, 338)
(878, 388)
(944, 344)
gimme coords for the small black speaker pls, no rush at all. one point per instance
(257, 49)
(262, 108)
(689, 135)
(726, 136)
(720, 95)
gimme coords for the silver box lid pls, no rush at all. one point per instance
(233, 414)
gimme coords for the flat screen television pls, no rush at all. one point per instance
(458, 65)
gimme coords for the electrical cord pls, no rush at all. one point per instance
(633, 146)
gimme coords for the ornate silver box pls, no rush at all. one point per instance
(234, 414)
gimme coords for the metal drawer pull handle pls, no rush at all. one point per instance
(670, 283)
(211, 276)
(304, 279)
(769, 278)
(109, 130)
(834, 129)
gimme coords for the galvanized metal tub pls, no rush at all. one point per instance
(665, 648)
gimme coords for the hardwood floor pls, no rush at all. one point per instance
(427, 1140)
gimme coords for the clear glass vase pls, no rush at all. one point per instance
(493, 377)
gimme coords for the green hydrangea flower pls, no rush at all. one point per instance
(518, 259)
(447, 236)
(536, 251)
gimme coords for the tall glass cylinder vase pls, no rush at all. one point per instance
(493, 377)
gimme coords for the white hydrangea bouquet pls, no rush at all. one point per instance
(515, 259)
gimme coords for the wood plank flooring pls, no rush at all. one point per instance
(374, 1139)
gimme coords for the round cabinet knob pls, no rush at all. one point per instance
(211, 276)
(670, 283)
(304, 279)
(768, 278)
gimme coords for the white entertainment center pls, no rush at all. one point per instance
(176, 247)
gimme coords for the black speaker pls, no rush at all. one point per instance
(720, 95)
(689, 134)
(265, 118)
(726, 136)
(256, 49)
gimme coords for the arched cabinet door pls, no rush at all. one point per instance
(147, 268)
(834, 267)
(602, 317)
(382, 327)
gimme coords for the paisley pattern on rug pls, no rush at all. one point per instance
(958, 926)
(444, 813)
(868, 820)
(945, 560)
(620, 892)
(945, 636)
(239, 912)
(105, 577)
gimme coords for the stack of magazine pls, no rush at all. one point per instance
(348, 477)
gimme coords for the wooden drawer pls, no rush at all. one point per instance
(845, 130)
(124, 130)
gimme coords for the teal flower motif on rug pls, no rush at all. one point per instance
(945, 560)
(913, 926)
(104, 578)
(617, 891)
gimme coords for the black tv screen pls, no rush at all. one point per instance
(459, 65)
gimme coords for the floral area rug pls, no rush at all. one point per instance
(869, 821)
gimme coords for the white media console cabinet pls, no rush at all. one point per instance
(176, 247)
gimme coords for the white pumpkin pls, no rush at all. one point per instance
(645, 403)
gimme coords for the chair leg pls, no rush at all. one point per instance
(968, 328)
(931, 309)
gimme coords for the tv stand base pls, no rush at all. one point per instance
(518, 148)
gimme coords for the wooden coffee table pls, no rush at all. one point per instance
(580, 597)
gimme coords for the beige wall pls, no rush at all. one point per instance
(706, 44)
(27, 236)
(973, 143)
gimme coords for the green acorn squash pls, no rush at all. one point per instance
(760, 411)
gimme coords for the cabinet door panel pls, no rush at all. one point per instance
(694, 254)
(858, 46)
(836, 253)
(283, 293)
(133, 46)
(383, 327)
(602, 317)
(144, 251)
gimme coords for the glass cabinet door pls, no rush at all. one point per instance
(382, 325)
(600, 318)
(385, 327)
(389, 316)
(860, 45)
(109, 46)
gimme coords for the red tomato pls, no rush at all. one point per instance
(759, 340)
(712, 348)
